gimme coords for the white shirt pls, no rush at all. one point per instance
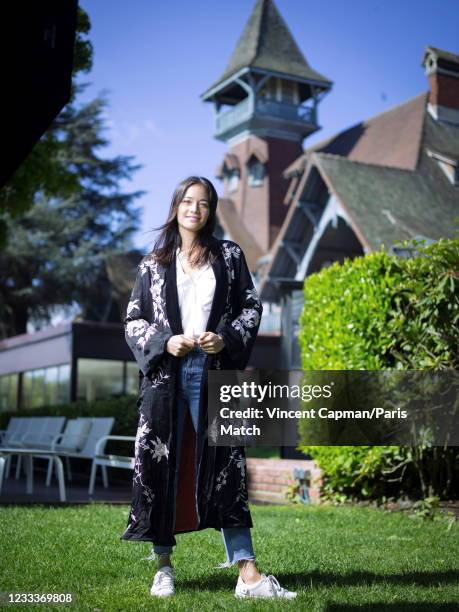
(195, 297)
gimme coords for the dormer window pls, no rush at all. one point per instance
(448, 164)
(256, 172)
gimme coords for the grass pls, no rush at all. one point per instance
(337, 558)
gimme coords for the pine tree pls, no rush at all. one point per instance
(44, 171)
(55, 253)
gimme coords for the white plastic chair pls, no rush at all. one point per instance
(31, 432)
(100, 428)
(71, 440)
(17, 428)
(2, 471)
(118, 461)
(42, 432)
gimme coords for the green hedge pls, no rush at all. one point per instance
(382, 312)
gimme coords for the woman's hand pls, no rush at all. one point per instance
(179, 345)
(210, 342)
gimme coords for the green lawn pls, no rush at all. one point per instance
(344, 558)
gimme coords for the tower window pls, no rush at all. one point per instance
(256, 172)
(232, 180)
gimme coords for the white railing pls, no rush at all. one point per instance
(282, 110)
(269, 108)
(235, 115)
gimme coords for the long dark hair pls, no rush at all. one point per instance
(203, 248)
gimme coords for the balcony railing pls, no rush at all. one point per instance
(239, 113)
(268, 108)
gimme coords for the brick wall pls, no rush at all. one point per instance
(268, 479)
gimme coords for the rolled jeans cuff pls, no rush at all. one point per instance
(233, 562)
(238, 546)
(159, 551)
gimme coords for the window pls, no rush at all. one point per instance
(132, 378)
(232, 178)
(268, 90)
(288, 92)
(46, 386)
(8, 392)
(99, 378)
(256, 172)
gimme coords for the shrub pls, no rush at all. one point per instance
(381, 312)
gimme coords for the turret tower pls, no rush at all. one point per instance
(265, 104)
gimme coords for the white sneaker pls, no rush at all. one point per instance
(268, 586)
(163, 582)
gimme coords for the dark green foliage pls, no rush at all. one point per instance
(56, 252)
(45, 170)
(64, 214)
(380, 312)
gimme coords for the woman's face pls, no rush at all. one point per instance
(194, 209)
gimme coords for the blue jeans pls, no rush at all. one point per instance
(237, 540)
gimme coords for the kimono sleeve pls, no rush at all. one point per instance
(147, 338)
(240, 334)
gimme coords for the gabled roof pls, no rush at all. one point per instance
(390, 139)
(406, 197)
(267, 43)
(389, 204)
(232, 224)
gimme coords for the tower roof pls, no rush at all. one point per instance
(266, 43)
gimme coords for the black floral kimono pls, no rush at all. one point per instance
(211, 488)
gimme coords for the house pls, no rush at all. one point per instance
(265, 103)
(392, 177)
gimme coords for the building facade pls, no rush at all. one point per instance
(265, 104)
(80, 360)
(387, 179)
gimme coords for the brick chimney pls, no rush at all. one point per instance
(442, 70)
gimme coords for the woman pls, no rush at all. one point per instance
(193, 308)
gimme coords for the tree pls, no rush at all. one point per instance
(44, 169)
(56, 249)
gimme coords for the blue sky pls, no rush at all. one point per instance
(154, 59)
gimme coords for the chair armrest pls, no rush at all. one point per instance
(101, 441)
